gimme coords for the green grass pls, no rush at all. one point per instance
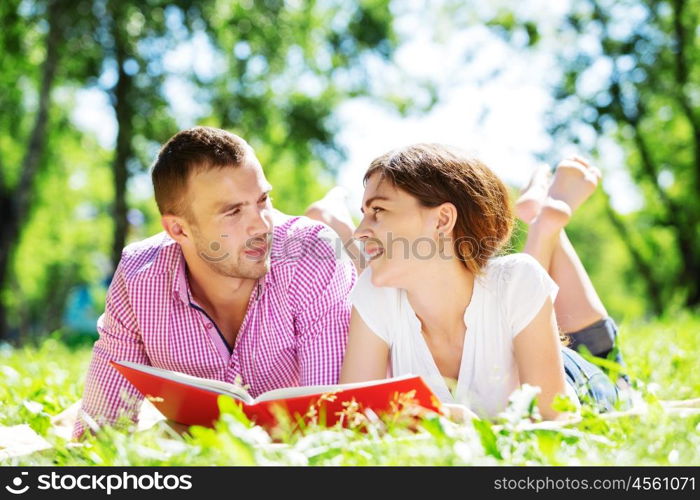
(41, 381)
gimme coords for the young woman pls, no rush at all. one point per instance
(437, 301)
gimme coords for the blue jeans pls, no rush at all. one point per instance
(591, 383)
(600, 339)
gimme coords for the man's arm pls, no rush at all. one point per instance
(320, 291)
(107, 393)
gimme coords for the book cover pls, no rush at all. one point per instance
(192, 400)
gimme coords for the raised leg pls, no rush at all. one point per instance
(578, 304)
(529, 203)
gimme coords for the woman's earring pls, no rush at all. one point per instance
(441, 244)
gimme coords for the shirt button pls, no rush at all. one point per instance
(209, 325)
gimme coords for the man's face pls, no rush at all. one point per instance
(230, 219)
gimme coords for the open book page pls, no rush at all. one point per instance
(234, 391)
(292, 392)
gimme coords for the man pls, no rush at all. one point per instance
(232, 290)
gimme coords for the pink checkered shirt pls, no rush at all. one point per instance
(294, 331)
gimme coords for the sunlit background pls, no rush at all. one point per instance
(491, 98)
(90, 89)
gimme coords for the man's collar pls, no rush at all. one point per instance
(180, 285)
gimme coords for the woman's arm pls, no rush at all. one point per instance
(538, 355)
(366, 355)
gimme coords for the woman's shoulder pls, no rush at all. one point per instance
(512, 259)
(505, 268)
(521, 285)
(517, 278)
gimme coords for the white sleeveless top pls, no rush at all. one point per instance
(507, 295)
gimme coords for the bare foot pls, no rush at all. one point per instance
(574, 181)
(554, 216)
(533, 195)
(332, 210)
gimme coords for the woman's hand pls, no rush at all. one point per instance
(458, 413)
(181, 429)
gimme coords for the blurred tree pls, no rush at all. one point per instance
(47, 47)
(280, 71)
(64, 246)
(631, 72)
(24, 162)
(128, 32)
(277, 72)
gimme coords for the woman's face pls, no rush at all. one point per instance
(399, 235)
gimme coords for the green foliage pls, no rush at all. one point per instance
(601, 250)
(278, 72)
(45, 379)
(629, 73)
(282, 69)
(49, 375)
(68, 236)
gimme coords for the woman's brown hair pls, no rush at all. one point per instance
(436, 174)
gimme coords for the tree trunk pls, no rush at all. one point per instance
(124, 151)
(15, 203)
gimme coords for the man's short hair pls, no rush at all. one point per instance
(187, 152)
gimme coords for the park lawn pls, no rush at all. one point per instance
(39, 382)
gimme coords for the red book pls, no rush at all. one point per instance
(192, 400)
